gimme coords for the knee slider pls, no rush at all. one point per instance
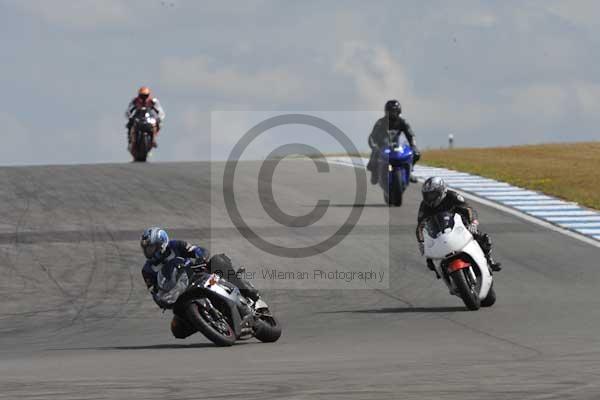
(180, 328)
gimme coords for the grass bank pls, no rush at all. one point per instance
(570, 171)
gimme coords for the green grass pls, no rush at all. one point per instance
(569, 171)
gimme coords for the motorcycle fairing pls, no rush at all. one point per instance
(451, 244)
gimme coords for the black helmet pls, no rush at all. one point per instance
(393, 108)
(434, 191)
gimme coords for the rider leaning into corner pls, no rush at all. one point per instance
(438, 198)
(159, 250)
(144, 99)
(377, 139)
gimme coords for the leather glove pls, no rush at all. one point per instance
(416, 153)
(421, 248)
(473, 227)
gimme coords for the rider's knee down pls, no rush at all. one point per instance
(180, 328)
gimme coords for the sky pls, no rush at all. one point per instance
(492, 73)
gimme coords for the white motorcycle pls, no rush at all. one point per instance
(457, 258)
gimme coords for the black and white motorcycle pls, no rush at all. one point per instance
(213, 306)
(457, 258)
(144, 127)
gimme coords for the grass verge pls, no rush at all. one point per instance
(570, 171)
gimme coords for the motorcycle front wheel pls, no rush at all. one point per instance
(396, 189)
(490, 299)
(216, 328)
(466, 289)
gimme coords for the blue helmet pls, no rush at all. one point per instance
(154, 243)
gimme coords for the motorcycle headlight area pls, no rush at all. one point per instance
(170, 281)
(171, 295)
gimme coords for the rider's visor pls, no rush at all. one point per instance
(431, 198)
(394, 113)
(150, 250)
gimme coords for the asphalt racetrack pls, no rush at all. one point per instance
(76, 321)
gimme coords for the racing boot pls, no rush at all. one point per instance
(374, 178)
(249, 292)
(431, 267)
(129, 146)
(180, 328)
(154, 135)
(372, 169)
(494, 265)
(412, 178)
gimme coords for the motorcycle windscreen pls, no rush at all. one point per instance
(444, 236)
(439, 223)
(397, 150)
(172, 282)
(145, 119)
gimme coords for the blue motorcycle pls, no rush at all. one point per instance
(394, 167)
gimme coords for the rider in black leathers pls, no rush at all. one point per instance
(438, 198)
(379, 136)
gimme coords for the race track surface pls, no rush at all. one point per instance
(77, 323)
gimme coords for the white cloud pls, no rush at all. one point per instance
(492, 71)
(589, 98)
(201, 73)
(80, 14)
(378, 76)
(578, 12)
(538, 100)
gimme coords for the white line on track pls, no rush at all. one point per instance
(589, 231)
(504, 189)
(476, 188)
(468, 179)
(485, 193)
(580, 224)
(561, 213)
(534, 202)
(587, 218)
(552, 207)
(527, 198)
(482, 185)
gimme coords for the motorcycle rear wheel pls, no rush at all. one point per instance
(267, 329)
